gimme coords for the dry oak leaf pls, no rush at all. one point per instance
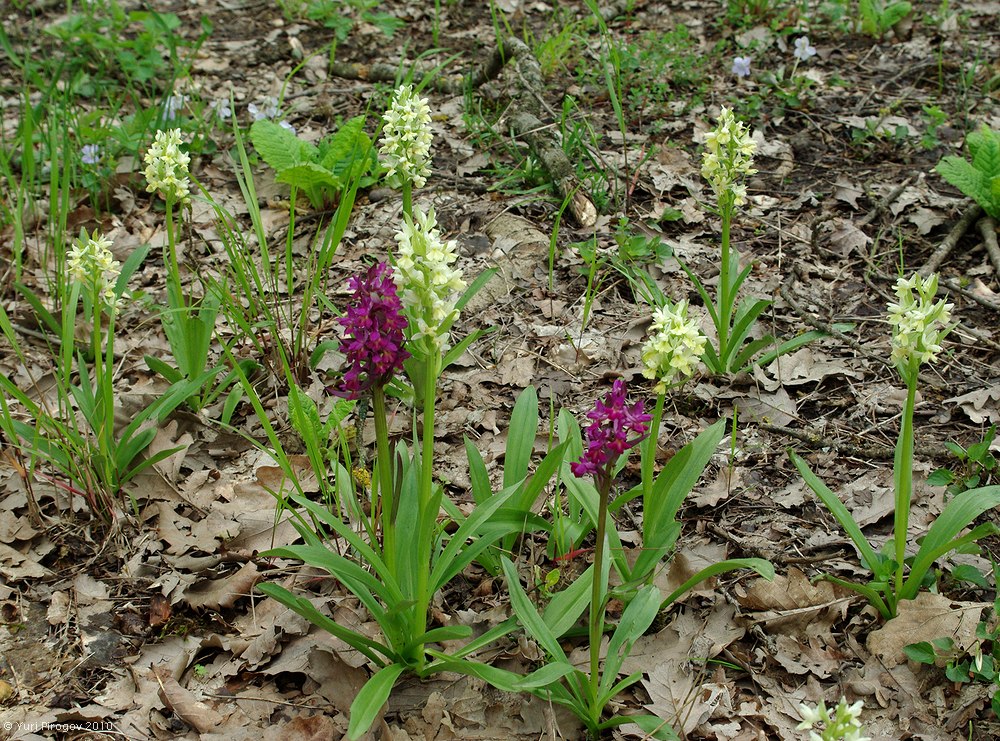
(219, 593)
(183, 703)
(791, 604)
(790, 592)
(925, 618)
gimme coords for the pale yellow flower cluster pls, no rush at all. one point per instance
(167, 167)
(728, 157)
(406, 137)
(674, 347)
(90, 261)
(920, 323)
(844, 725)
(427, 281)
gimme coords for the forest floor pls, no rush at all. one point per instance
(153, 627)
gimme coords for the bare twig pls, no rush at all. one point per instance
(882, 206)
(969, 217)
(987, 227)
(868, 452)
(527, 106)
(953, 285)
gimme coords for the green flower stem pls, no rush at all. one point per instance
(174, 294)
(408, 198)
(104, 364)
(426, 517)
(648, 451)
(725, 305)
(102, 423)
(903, 474)
(597, 592)
(382, 494)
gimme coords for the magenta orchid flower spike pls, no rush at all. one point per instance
(615, 427)
(373, 332)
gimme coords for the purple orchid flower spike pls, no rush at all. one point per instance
(615, 427)
(373, 332)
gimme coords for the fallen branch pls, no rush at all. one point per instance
(524, 119)
(987, 227)
(868, 452)
(882, 206)
(953, 285)
(524, 113)
(969, 217)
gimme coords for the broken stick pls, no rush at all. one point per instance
(969, 217)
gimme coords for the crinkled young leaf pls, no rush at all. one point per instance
(279, 147)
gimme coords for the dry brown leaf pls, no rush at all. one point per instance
(183, 703)
(274, 480)
(982, 405)
(318, 727)
(807, 656)
(845, 238)
(848, 192)
(789, 592)
(167, 438)
(338, 682)
(777, 408)
(15, 565)
(687, 562)
(805, 365)
(925, 618)
(59, 608)
(159, 611)
(726, 481)
(219, 593)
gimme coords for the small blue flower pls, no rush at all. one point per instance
(741, 66)
(803, 49)
(173, 105)
(90, 154)
(268, 109)
(221, 108)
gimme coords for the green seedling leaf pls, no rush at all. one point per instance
(894, 14)
(309, 177)
(656, 727)
(528, 615)
(979, 179)
(958, 514)
(566, 607)
(970, 574)
(922, 652)
(940, 477)
(762, 567)
(634, 622)
(321, 172)
(480, 478)
(364, 645)
(348, 154)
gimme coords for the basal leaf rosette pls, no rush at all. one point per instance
(674, 347)
(728, 159)
(429, 284)
(406, 137)
(919, 323)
